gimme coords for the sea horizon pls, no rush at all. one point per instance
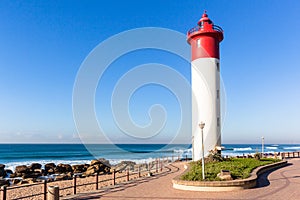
(13, 155)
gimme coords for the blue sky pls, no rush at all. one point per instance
(43, 44)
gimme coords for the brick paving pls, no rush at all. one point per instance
(283, 183)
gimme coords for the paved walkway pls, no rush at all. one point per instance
(283, 183)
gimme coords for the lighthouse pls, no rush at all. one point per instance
(205, 80)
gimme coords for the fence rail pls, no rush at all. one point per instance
(114, 178)
(290, 155)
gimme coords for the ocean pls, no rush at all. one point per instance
(24, 154)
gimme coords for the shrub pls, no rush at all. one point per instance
(240, 168)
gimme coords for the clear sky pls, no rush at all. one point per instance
(43, 43)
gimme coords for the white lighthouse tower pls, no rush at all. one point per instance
(204, 40)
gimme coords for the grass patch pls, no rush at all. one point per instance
(240, 168)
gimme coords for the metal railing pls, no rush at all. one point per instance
(100, 181)
(199, 28)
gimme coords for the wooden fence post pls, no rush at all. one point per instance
(45, 189)
(139, 170)
(75, 180)
(53, 193)
(4, 189)
(127, 175)
(97, 181)
(114, 177)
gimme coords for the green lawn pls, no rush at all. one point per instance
(240, 168)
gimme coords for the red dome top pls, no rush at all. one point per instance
(204, 19)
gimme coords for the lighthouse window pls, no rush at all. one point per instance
(218, 67)
(218, 94)
(218, 121)
(198, 43)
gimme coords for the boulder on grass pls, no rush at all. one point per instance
(224, 175)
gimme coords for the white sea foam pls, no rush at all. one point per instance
(231, 154)
(272, 148)
(242, 149)
(183, 151)
(292, 148)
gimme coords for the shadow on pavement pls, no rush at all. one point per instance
(263, 180)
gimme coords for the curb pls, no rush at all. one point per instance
(225, 185)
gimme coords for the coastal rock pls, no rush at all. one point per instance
(40, 171)
(50, 165)
(32, 171)
(97, 167)
(61, 177)
(100, 161)
(49, 168)
(34, 166)
(50, 171)
(15, 181)
(29, 180)
(63, 169)
(8, 171)
(2, 171)
(4, 182)
(23, 182)
(104, 161)
(79, 168)
(31, 175)
(124, 165)
(95, 162)
(22, 169)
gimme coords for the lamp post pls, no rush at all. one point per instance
(262, 146)
(193, 151)
(201, 125)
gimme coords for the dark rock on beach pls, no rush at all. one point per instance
(2, 171)
(34, 166)
(61, 177)
(33, 171)
(97, 166)
(63, 169)
(21, 169)
(80, 168)
(124, 165)
(8, 171)
(4, 182)
(49, 168)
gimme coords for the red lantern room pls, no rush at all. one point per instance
(205, 38)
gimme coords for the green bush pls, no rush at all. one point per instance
(240, 168)
(257, 156)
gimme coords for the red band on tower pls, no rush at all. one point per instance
(205, 38)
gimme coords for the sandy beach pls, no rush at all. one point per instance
(67, 186)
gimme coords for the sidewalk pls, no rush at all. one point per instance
(283, 183)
